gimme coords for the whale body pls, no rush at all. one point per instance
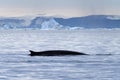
(55, 53)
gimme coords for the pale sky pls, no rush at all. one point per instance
(67, 8)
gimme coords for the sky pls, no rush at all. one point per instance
(64, 8)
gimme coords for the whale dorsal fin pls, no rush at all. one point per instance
(31, 51)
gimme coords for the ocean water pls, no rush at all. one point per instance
(16, 64)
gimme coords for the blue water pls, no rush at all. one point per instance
(16, 64)
(86, 67)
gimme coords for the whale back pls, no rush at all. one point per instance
(55, 53)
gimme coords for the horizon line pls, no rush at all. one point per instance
(57, 16)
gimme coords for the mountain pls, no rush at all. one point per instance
(53, 23)
(93, 21)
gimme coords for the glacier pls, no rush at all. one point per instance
(43, 23)
(54, 23)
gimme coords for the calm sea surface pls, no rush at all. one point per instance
(15, 64)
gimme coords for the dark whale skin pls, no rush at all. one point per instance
(55, 53)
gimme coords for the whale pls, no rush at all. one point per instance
(55, 53)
